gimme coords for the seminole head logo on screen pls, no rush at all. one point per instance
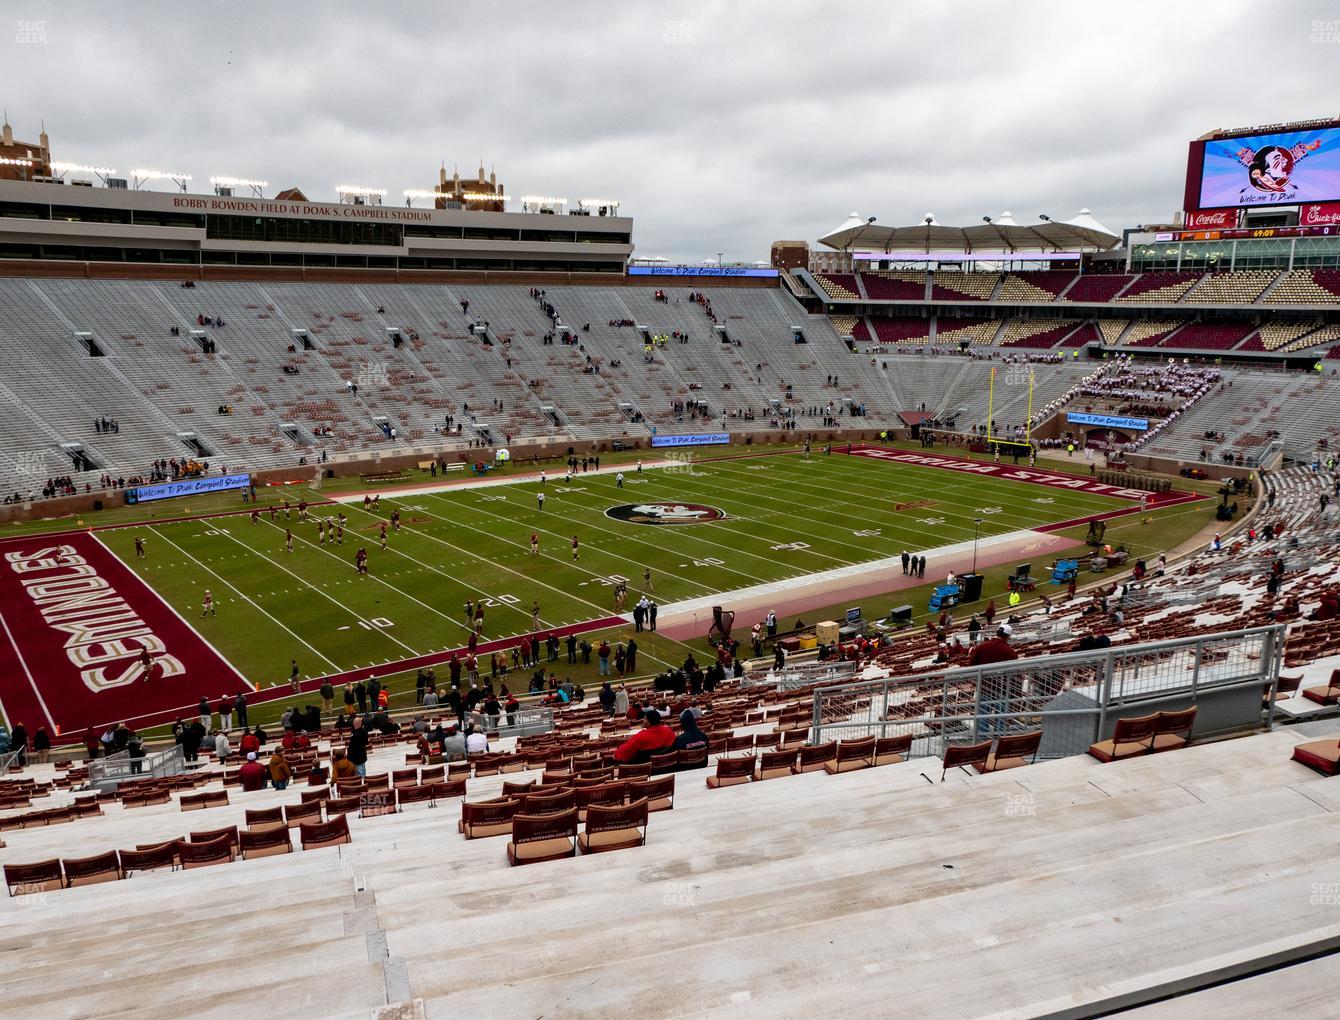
(665, 513)
(1270, 167)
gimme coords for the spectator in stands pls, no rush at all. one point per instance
(252, 773)
(1329, 609)
(358, 746)
(690, 738)
(18, 742)
(249, 743)
(606, 697)
(453, 744)
(191, 739)
(222, 748)
(1090, 642)
(136, 752)
(476, 742)
(279, 771)
(240, 709)
(341, 767)
(654, 738)
(41, 745)
(511, 706)
(620, 702)
(996, 649)
(226, 714)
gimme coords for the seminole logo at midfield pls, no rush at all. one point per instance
(665, 513)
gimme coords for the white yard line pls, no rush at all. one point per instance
(382, 581)
(32, 682)
(171, 609)
(430, 489)
(956, 484)
(820, 526)
(567, 595)
(716, 527)
(613, 534)
(390, 547)
(246, 598)
(325, 595)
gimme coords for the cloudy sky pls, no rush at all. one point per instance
(720, 126)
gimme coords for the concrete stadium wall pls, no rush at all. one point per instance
(298, 274)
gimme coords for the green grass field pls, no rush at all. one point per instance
(786, 517)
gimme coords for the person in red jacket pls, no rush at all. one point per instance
(1329, 609)
(252, 773)
(996, 649)
(248, 744)
(654, 738)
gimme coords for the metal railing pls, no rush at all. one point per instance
(524, 722)
(1074, 698)
(804, 674)
(108, 773)
(1269, 457)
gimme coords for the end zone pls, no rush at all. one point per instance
(1031, 475)
(74, 615)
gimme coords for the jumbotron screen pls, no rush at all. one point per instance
(1280, 168)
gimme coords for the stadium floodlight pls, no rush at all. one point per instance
(141, 175)
(412, 193)
(592, 203)
(483, 196)
(542, 200)
(62, 168)
(239, 182)
(359, 194)
(24, 165)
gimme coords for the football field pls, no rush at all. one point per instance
(782, 517)
(699, 528)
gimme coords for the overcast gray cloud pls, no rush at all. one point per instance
(720, 126)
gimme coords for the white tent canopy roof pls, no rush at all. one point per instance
(1001, 233)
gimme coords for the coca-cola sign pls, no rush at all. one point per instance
(1319, 214)
(1198, 219)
